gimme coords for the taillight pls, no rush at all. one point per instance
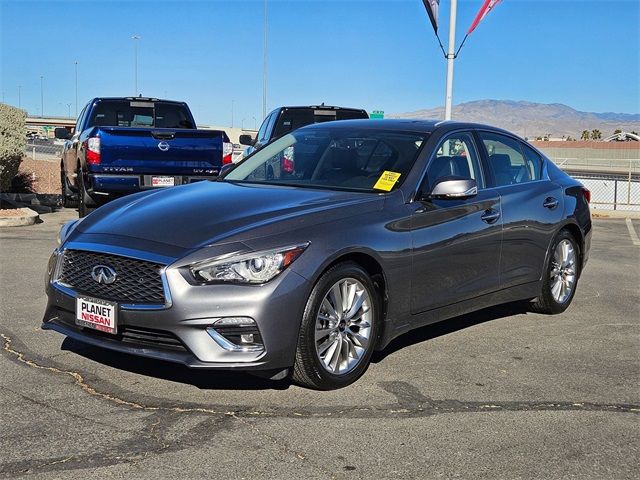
(587, 194)
(92, 145)
(227, 153)
(288, 165)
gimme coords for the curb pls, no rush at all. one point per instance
(604, 214)
(28, 218)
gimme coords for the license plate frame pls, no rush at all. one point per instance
(97, 314)
(163, 181)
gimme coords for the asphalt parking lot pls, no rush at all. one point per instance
(498, 394)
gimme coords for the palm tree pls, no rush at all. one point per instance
(585, 135)
(596, 134)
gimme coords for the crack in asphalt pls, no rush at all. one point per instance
(410, 402)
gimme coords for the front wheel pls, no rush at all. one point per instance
(339, 329)
(560, 276)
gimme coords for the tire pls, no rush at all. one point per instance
(349, 327)
(83, 196)
(69, 200)
(550, 301)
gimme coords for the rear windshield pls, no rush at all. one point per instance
(139, 113)
(294, 118)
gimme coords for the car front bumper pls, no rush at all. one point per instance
(177, 331)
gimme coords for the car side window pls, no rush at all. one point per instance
(533, 161)
(263, 128)
(455, 156)
(80, 120)
(272, 120)
(507, 164)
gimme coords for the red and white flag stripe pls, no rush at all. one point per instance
(484, 10)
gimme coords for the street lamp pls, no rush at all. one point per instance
(41, 95)
(68, 110)
(135, 39)
(264, 65)
(76, 68)
(255, 123)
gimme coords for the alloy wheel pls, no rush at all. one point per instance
(343, 326)
(563, 271)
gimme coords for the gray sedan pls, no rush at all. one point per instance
(322, 247)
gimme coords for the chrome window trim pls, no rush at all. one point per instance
(67, 290)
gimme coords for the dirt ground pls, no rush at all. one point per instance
(46, 174)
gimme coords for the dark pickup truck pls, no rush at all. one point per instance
(124, 145)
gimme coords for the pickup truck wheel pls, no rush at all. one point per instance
(83, 209)
(69, 200)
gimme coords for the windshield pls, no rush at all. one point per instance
(336, 158)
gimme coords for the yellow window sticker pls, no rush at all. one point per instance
(386, 181)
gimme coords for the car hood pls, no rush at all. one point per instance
(205, 213)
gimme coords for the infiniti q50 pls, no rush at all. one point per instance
(374, 228)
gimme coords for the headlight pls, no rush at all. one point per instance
(255, 267)
(66, 229)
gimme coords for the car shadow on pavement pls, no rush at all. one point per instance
(227, 380)
(451, 325)
(174, 372)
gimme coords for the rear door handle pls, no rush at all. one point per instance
(550, 203)
(490, 216)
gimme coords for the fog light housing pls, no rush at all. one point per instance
(236, 334)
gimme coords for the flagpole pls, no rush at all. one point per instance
(451, 56)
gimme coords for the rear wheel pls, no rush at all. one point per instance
(560, 277)
(69, 200)
(83, 197)
(339, 329)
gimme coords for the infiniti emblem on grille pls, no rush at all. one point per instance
(164, 146)
(103, 274)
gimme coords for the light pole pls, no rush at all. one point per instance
(255, 123)
(41, 95)
(451, 56)
(76, 68)
(264, 65)
(68, 110)
(135, 39)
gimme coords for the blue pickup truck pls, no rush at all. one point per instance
(124, 145)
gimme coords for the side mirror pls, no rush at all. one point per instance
(454, 188)
(62, 133)
(246, 139)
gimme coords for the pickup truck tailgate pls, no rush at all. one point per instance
(160, 151)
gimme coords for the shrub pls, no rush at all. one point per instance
(12, 143)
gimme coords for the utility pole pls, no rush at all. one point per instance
(135, 39)
(264, 64)
(451, 56)
(76, 68)
(41, 95)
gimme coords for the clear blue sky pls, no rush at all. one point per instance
(371, 54)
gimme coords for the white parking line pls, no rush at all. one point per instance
(632, 233)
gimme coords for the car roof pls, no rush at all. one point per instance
(406, 125)
(319, 107)
(133, 99)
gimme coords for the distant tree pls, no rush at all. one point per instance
(596, 134)
(617, 131)
(635, 133)
(585, 135)
(569, 139)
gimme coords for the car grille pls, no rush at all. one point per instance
(133, 336)
(137, 281)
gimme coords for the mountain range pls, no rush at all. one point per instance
(529, 119)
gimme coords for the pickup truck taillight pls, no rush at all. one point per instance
(227, 153)
(92, 145)
(587, 194)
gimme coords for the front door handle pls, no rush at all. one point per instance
(550, 203)
(490, 216)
